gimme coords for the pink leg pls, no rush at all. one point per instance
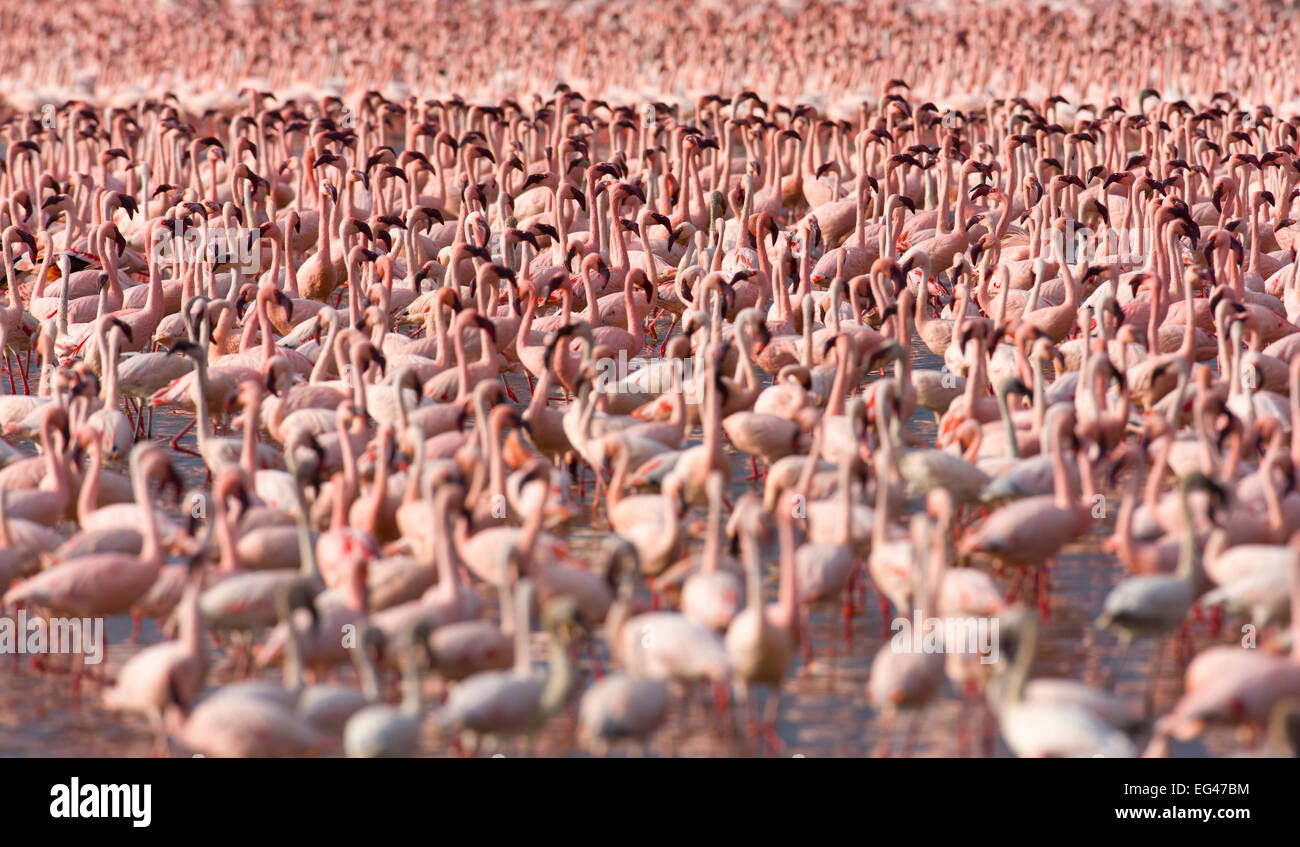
(850, 592)
(885, 746)
(753, 726)
(650, 326)
(595, 495)
(806, 646)
(1042, 579)
(964, 727)
(27, 389)
(131, 418)
(76, 679)
(913, 732)
(771, 738)
(597, 669)
(830, 633)
(721, 699)
(663, 348)
(175, 442)
(1015, 585)
(509, 393)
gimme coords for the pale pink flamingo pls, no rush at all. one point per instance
(762, 638)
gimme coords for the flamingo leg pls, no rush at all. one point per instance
(509, 393)
(848, 606)
(131, 418)
(595, 497)
(964, 721)
(911, 735)
(654, 336)
(1153, 681)
(597, 669)
(1216, 621)
(77, 662)
(989, 726)
(1016, 585)
(663, 348)
(830, 634)
(175, 443)
(805, 647)
(721, 700)
(752, 728)
(161, 744)
(1041, 581)
(772, 738)
(884, 746)
(27, 389)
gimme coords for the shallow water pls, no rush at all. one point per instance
(824, 705)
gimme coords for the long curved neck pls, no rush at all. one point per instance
(710, 561)
(1061, 480)
(619, 257)
(151, 552)
(38, 286)
(839, 383)
(203, 425)
(1009, 427)
(358, 380)
(264, 325)
(560, 677)
(225, 530)
(252, 418)
(324, 245)
(379, 486)
(591, 314)
(462, 366)
(1023, 662)
(109, 366)
(713, 427)
(88, 498)
(753, 579)
(629, 303)
(788, 590)
(523, 602)
(318, 369)
(1187, 551)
